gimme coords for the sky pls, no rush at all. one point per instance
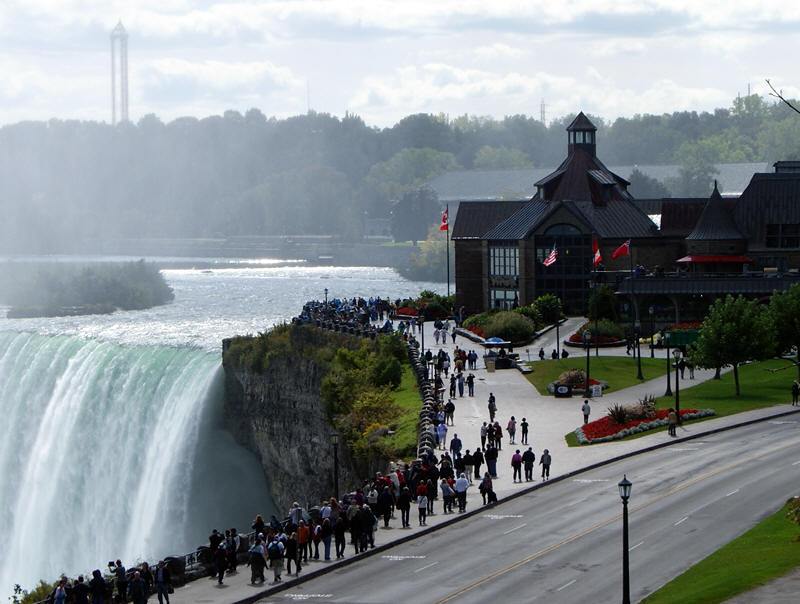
(384, 59)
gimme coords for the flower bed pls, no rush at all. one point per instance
(686, 326)
(551, 387)
(406, 311)
(477, 331)
(606, 429)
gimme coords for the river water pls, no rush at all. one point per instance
(115, 446)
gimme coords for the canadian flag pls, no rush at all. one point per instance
(445, 226)
(623, 250)
(598, 258)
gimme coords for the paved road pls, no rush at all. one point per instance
(562, 543)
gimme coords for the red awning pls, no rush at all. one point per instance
(715, 260)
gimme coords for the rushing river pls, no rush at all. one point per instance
(113, 442)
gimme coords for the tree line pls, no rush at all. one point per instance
(67, 182)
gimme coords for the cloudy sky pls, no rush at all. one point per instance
(384, 59)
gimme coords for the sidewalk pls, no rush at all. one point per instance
(550, 419)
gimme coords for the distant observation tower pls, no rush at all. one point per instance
(119, 65)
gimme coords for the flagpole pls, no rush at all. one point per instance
(447, 246)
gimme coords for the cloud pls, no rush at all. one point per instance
(498, 50)
(172, 79)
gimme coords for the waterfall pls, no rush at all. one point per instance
(99, 454)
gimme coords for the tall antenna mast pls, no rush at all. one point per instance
(542, 113)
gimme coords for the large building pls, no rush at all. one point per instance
(703, 247)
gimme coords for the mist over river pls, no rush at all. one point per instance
(113, 442)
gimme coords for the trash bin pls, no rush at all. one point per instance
(489, 362)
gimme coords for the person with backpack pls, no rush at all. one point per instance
(292, 554)
(498, 436)
(485, 488)
(528, 458)
(545, 461)
(422, 505)
(511, 428)
(275, 555)
(368, 522)
(256, 562)
(516, 465)
(220, 562)
(524, 426)
(491, 460)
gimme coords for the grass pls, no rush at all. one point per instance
(619, 372)
(407, 397)
(765, 552)
(763, 384)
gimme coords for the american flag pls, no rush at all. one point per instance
(551, 258)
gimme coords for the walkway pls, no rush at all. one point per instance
(550, 419)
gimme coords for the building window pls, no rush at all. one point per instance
(783, 235)
(503, 299)
(503, 261)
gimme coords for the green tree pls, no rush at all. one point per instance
(603, 304)
(428, 263)
(736, 330)
(414, 214)
(500, 158)
(646, 187)
(785, 310)
(407, 169)
(698, 168)
(549, 307)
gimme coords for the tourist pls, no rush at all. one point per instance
(528, 459)
(554, 354)
(326, 532)
(541, 354)
(469, 462)
(121, 580)
(292, 554)
(492, 406)
(422, 505)
(545, 461)
(490, 455)
(447, 496)
(220, 562)
(163, 580)
(296, 514)
(275, 555)
(137, 589)
(368, 522)
(259, 526)
(147, 576)
(453, 334)
(477, 461)
(484, 433)
(471, 385)
(586, 410)
(436, 336)
(303, 541)
(455, 445)
(682, 366)
(498, 436)
(256, 562)
(385, 505)
(441, 433)
(98, 587)
(59, 595)
(80, 592)
(511, 428)
(460, 382)
(404, 505)
(232, 547)
(449, 412)
(340, 537)
(524, 426)
(564, 353)
(795, 393)
(516, 465)
(672, 422)
(690, 367)
(461, 486)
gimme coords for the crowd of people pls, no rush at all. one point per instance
(125, 585)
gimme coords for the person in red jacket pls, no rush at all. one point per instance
(516, 464)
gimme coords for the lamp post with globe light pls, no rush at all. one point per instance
(669, 369)
(625, 487)
(335, 443)
(677, 354)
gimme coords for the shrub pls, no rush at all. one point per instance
(604, 331)
(603, 303)
(510, 326)
(618, 413)
(549, 308)
(532, 313)
(387, 371)
(573, 377)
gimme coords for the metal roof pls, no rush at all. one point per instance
(604, 178)
(521, 223)
(716, 222)
(758, 283)
(475, 218)
(581, 122)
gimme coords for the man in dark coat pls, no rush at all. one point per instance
(477, 462)
(528, 458)
(137, 589)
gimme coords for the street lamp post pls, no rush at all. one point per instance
(558, 339)
(335, 443)
(587, 340)
(637, 332)
(677, 354)
(326, 296)
(669, 369)
(625, 487)
(652, 310)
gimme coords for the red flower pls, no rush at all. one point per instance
(605, 426)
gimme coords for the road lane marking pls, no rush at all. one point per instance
(732, 493)
(426, 566)
(501, 516)
(551, 548)
(630, 549)
(681, 521)
(686, 449)
(590, 480)
(515, 528)
(400, 557)
(307, 596)
(567, 585)
(796, 463)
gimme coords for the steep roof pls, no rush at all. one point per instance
(475, 218)
(520, 224)
(716, 222)
(770, 198)
(575, 177)
(618, 219)
(581, 122)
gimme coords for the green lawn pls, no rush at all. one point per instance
(407, 397)
(763, 384)
(619, 372)
(767, 551)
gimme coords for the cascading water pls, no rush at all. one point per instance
(100, 450)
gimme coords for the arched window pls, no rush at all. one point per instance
(562, 229)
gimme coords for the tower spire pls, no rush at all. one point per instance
(119, 65)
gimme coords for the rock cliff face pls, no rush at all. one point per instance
(280, 415)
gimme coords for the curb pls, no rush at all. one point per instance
(386, 546)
